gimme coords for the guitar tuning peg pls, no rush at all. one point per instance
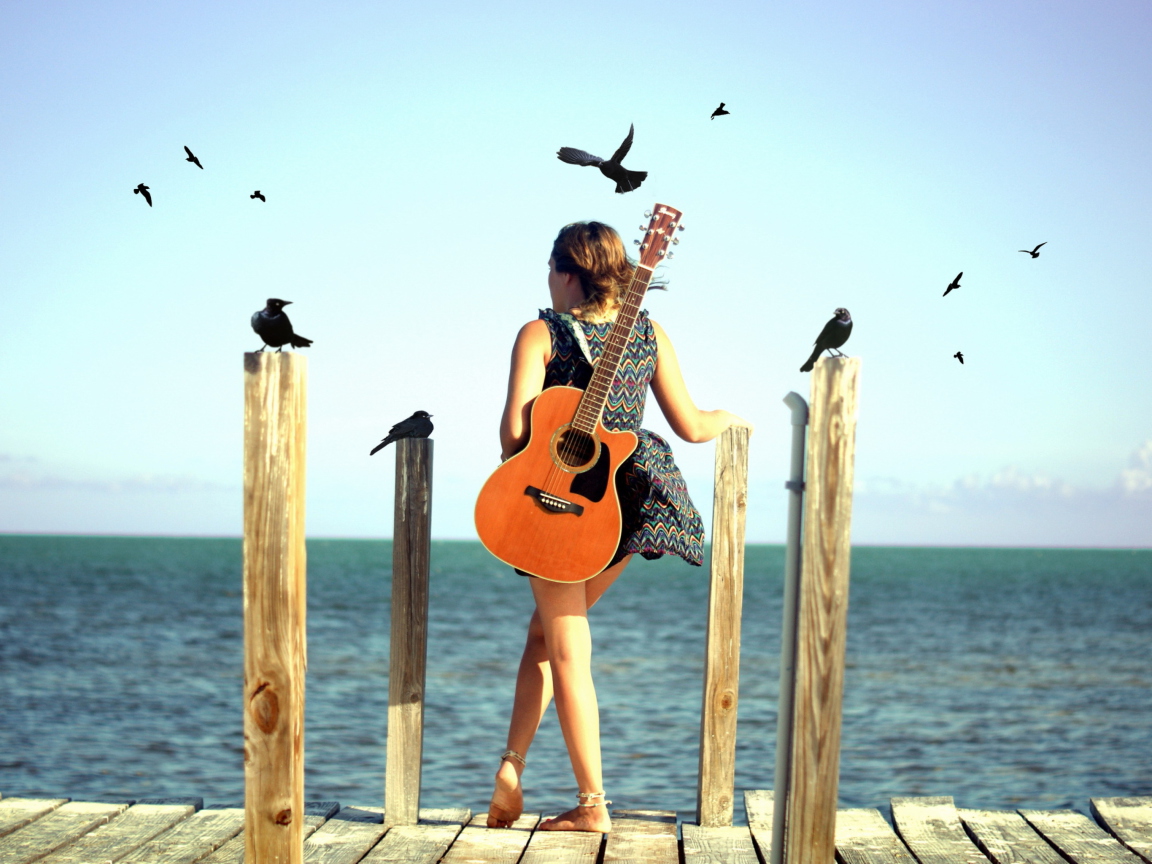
(637, 242)
(669, 255)
(675, 241)
(643, 227)
(661, 253)
(647, 214)
(680, 227)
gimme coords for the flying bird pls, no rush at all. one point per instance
(834, 334)
(626, 180)
(954, 284)
(419, 425)
(143, 190)
(260, 195)
(192, 158)
(273, 326)
(959, 355)
(718, 112)
(1035, 253)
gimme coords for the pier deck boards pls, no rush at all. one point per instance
(926, 831)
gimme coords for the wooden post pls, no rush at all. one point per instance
(411, 553)
(275, 653)
(815, 763)
(716, 781)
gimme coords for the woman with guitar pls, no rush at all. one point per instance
(594, 290)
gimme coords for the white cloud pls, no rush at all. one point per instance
(1138, 478)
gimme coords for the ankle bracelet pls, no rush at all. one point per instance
(583, 795)
(512, 754)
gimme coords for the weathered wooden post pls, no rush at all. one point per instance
(411, 554)
(716, 780)
(275, 651)
(814, 765)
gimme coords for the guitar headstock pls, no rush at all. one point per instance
(658, 236)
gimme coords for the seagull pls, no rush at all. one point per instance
(258, 194)
(192, 158)
(626, 180)
(419, 425)
(273, 326)
(143, 190)
(1035, 253)
(718, 112)
(959, 355)
(954, 284)
(834, 334)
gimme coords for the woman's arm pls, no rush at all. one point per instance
(686, 420)
(525, 381)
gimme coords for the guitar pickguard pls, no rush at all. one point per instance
(593, 483)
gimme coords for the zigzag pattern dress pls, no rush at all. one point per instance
(659, 516)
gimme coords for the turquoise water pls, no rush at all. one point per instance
(1006, 678)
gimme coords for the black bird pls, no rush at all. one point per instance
(959, 356)
(626, 180)
(1035, 253)
(260, 195)
(834, 334)
(143, 190)
(192, 158)
(954, 284)
(273, 326)
(718, 112)
(419, 425)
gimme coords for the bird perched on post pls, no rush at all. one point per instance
(273, 326)
(1035, 253)
(191, 158)
(834, 334)
(419, 425)
(959, 355)
(718, 112)
(954, 284)
(626, 180)
(143, 190)
(260, 195)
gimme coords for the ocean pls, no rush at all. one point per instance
(1003, 677)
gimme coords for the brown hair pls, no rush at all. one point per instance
(595, 253)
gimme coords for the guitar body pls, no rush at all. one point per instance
(552, 509)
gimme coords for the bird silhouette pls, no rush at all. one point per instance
(192, 158)
(143, 190)
(626, 180)
(419, 425)
(1035, 253)
(718, 112)
(273, 326)
(959, 355)
(834, 334)
(954, 284)
(258, 194)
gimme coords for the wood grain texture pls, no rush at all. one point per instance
(411, 550)
(642, 837)
(477, 844)
(563, 847)
(346, 837)
(63, 825)
(1129, 820)
(717, 773)
(190, 839)
(424, 843)
(760, 807)
(15, 813)
(810, 799)
(1078, 838)
(931, 829)
(316, 813)
(124, 834)
(1006, 838)
(863, 837)
(707, 845)
(275, 598)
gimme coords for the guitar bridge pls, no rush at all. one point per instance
(554, 503)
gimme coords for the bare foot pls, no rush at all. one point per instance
(508, 797)
(580, 819)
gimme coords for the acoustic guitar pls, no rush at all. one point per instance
(552, 509)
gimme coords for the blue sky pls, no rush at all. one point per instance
(408, 157)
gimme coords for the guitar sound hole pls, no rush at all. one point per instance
(575, 448)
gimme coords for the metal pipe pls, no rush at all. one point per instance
(791, 612)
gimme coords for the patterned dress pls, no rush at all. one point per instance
(659, 517)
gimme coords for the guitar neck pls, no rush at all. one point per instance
(596, 394)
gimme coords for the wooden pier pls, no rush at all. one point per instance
(922, 831)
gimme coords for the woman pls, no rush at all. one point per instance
(587, 276)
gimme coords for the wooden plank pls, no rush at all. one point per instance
(813, 776)
(863, 837)
(63, 825)
(725, 845)
(1129, 820)
(642, 837)
(411, 551)
(931, 829)
(316, 813)
(1078, 838)
(191, 839)
(15, 813)
(759, 807)
(274, 606)
(1006, 838)
(424, 843)
(477, 844)
(346, 837)
(124, 834)
(563, 847)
